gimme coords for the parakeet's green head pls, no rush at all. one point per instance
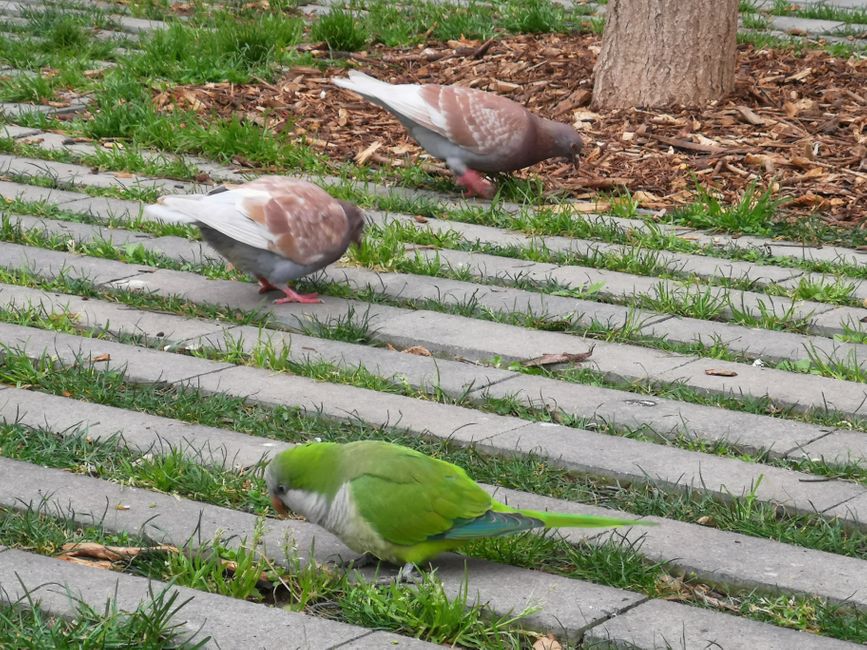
(299, 468)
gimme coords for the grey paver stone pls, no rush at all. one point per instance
(141, 364)
(563, 604)
(630, 460)
(666, 417)
(50, 264)
(14, 132)
(78, 231)
(664, 624)
(767, 345)
(833, 321)
(805, 25)
(838, 447)
(163, 518)
(106, 208)
(852, 510)
(34, 193)
(716, 556)
(140, 431)
(114, 317)
(800, 391)
(351, 403)
(479, 340)
(184, 250)
(244, 295)
(217, 616)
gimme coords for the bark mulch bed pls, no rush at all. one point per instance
(797, 124)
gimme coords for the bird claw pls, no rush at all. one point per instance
(265, 286)
(476, 185)
(303, 298)
(361, 562)
(408, 574)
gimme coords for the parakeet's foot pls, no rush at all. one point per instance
(408, 574)
(361, 562)
(265, 286)
(291, 296)
(476, 185)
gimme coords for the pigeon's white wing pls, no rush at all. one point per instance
(406, 100)
(229, 212)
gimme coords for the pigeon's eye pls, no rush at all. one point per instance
(281, 489)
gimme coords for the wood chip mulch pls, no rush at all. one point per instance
(796, 124)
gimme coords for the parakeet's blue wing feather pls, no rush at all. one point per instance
(490, 524)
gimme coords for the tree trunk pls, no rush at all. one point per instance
(661, 52)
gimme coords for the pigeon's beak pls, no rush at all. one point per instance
(279, 506)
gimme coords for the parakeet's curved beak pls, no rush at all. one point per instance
(279, 506)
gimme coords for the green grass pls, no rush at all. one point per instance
(820, 11)
(151, 626)
(422, 610)
(522, 472)
(340, 30)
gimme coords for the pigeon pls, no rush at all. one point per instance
(274, 228)
(472, 130)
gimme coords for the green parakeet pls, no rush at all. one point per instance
(396, 503)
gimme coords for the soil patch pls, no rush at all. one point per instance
(795, 123)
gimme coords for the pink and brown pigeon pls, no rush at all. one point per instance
(472, 130)
(276, 229)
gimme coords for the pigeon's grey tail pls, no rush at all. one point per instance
(363, 84)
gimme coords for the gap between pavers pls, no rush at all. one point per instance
(754, 343)
(781, 249)
(713, 556)
(611, 457)
(665, 624)
(58, 587)
(599, 404)
(178, 521)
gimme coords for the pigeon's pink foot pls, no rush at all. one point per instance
(291, 296)
(265, 286)
(476, 185)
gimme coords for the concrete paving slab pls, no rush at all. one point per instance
(840, 318)
(755, 343)
(34, 193)
(51, 264)
(106, 208)
(838, 447)
(854, 509)
(99, 315)
(635, 461)
(798, 391)
(142, 364)
(78, 231)
(423, 417)
(162, 518)
(795, 25)
(717, 557)
(12, 131)
(660, 416)
(664, 624)
(141, 431)
(58, 586)
(183, 250)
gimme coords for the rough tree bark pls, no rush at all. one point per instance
(661, 52)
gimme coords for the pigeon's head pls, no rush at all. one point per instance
(567, 143)
(356, 220)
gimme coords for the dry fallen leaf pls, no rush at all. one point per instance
(705, 521)
(121, 506)
(420, 219)
(98, 551)
(547, 643)
(418, 351)
(720, 372)
(563, 357)
(105, 356)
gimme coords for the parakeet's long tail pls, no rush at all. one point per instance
(564, 520)
(502, 520)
